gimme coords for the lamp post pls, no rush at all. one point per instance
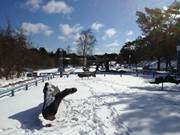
(178, 58)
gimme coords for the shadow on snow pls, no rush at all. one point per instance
(156, 113)
(29, 119)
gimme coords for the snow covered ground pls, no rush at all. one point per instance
(105, 105)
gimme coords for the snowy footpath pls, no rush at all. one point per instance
(110, 105)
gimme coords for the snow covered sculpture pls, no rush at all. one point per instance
(52, 99)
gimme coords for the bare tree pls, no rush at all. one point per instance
(85, 44)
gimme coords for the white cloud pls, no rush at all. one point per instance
(33, 4)
(57, 7)
(30, 28)
(48, 32)
(68, 30)
(110, 32)
(129, 33)
(96, 26)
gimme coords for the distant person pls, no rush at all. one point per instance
(52, 99)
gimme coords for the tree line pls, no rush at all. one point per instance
(18, 55)
(161, 35)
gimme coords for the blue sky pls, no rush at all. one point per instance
(56, 23)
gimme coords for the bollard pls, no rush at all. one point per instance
(12, 93)
(36, 83)
(43, 79)
(26, 87)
